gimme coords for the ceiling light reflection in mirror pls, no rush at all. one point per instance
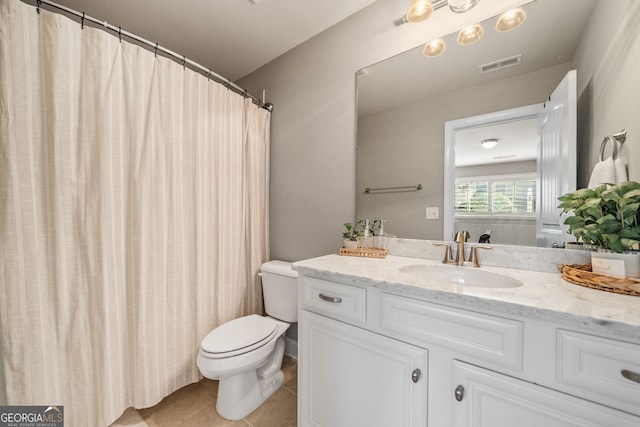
(510, 20)
(547, 39)
(470, 35)
(434, 48)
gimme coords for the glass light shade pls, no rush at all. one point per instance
(434, 48)
(460, 6)
(470, 35)
(510, 20)
(419, 10)
(489, 143)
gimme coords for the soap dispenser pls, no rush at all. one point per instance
(380, 241)
(367, 236)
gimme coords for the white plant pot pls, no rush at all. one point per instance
(615, 264)
(350, 244)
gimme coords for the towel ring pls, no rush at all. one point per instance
(614, 143)
(621, 136)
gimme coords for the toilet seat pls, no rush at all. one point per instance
(238, 336)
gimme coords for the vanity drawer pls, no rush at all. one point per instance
(595, 368)
(335, 300)
(482, 337)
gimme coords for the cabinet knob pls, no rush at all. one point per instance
(415, 375)
(459, 393)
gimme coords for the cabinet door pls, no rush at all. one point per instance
(490, 399)
(350, 377)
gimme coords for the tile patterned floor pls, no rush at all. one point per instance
(195, 405)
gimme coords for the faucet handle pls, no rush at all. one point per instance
(473, 254)
(461, 236)
(447, 252)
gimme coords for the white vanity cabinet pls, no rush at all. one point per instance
(488, 399)
(349, 376)
(360, 346)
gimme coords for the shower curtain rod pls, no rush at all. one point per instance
(156, 48)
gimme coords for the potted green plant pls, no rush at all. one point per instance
(351, 234)
(607, 217)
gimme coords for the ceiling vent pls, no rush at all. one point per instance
(500, 64)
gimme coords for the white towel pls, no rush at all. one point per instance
(612, 170)
(621, 170)
(609, 171)
(603, 172)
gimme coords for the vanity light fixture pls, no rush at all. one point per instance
(434, 48)
(419, 10)
(470, 35)
(461, 6)
(510, 20)
(489, 143)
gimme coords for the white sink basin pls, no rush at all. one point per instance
(466, 276)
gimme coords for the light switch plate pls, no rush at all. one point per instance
(433, 213)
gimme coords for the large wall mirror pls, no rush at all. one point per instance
(404, 103)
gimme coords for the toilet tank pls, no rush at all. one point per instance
(280, 290)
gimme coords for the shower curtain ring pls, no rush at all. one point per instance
(155, 52)
(82, 22)
(120, 34)
(184, 62)
(38, 3)
(209, 75)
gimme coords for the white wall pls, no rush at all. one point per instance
(608, 89)
(313, 125)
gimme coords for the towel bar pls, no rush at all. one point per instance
(400, 189)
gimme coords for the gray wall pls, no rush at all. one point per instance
(608, 89)
(314, 122)
(405, 146)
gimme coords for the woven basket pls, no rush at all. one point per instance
(581, 274)
(364, 252)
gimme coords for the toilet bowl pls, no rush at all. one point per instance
(245, 354)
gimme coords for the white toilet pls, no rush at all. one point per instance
(245, 354)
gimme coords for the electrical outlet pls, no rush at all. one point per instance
(433, 213)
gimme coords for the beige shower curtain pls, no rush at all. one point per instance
(133, 216)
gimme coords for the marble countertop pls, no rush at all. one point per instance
(544, 295)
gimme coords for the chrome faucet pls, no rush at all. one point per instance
(460, 239)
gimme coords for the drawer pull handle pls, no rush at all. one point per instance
(633, 376)
(459, 393)
(335, 300)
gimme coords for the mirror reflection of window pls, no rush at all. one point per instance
(496, 196)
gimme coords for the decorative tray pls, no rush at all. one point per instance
(581, 274)
(364, 252)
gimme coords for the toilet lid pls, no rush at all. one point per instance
(243, 333)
